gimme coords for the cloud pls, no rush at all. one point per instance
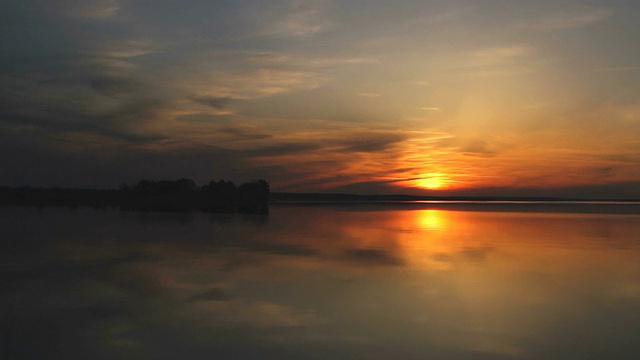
(301, 23)
(243, 133)
(119, 87)
(371, 141)
(250, 75)
(478, 148)
(86, 9)
(568, 19)
(496, 61)
(498, 55)
(127, 48)
(295, 19)
(217, 103)
(370, 95)
(370, 158)
(113, 85)
(254, 83)
(69, 96)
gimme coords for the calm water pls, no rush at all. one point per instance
(324, 282)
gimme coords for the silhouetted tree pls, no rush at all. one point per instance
(220, 196)
(147, 195)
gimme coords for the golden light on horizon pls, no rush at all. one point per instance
(435, 181)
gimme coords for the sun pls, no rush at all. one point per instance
(432, 182)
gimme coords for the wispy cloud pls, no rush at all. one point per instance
(217, 103)
(495, 61)
(261, 82)
(297, 19)
(373, 156)
(93, 9)
(498, 55)
(127, 48)
(301, 23)
(430, 108)
(568, 20)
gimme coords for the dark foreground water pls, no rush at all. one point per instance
(323, 282)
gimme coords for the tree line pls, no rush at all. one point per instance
(180, 195)
(183, 194)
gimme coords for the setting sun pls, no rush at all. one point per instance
(432, 182)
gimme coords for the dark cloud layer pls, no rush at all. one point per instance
(72, 96)
(372, 142)
(217, 103)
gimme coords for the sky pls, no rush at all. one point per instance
(484, 97)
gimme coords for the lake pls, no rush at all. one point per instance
(375, 281)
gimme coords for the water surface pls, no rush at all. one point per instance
(320, 282)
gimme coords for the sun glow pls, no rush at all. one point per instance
(432, 182)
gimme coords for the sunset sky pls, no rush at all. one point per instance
(480, 97)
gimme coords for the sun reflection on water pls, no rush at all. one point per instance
(431, 219)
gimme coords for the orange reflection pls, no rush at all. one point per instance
(431, 219)
(486, 273)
